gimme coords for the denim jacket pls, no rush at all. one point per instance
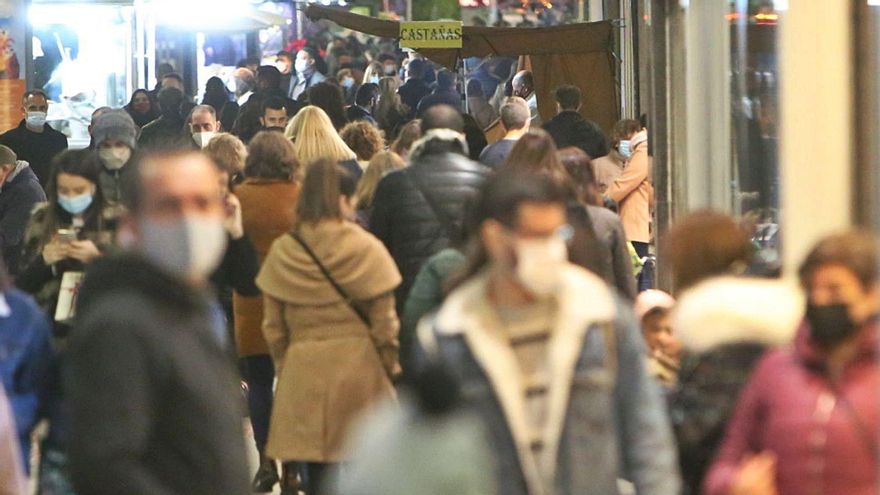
(605, 416)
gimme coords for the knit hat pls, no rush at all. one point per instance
(116, 125)
(650, 300)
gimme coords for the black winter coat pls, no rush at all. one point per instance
(405, 220)
(17, 200)
(36, 148)
(569, 128)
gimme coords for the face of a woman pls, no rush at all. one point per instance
(141, 103)
(837, 284)
(74, 185)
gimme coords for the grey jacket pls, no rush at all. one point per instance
(605, 416)
(609, 230)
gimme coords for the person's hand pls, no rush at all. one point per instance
(55, 251)
(756, 476)
(84, 251)
(233, 223)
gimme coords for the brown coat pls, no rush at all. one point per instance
(330, 366)
(607, 169)
(268, 210)
(634, 193)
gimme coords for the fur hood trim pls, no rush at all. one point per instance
(419, 147)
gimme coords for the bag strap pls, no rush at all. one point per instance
(435, 209)
(348, 300)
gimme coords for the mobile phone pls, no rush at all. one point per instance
(66, 236)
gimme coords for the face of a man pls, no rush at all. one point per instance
(35, 103)
(283, 63)
(274, 118)
(204, 122)
(535, 221)
(304, 61)
(171, 82)
(182, 186)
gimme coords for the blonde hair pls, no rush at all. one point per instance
(314, 137)
(381, 164)
(374, 69)
(228, 152)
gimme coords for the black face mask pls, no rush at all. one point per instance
(830, 324)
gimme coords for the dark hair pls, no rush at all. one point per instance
(170, 100)
(284, 53)
(568, 97)
(329, 97)
(442, 117)
(313, 53)
(445, 79)
(34, 92)
(624, 128)
(854, 250)
(136, 92)
(269, 75)
(416, 68)
(173, 75)
(386, 57)
(81, 163)
(366, 93)
(216, 94)
(706, 244)
(273, 102)
(474, 88)
(271, 156)
(579, 167)
(363, 138)
(324, 183)
(536, 152)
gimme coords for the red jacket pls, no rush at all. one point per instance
(825, 441)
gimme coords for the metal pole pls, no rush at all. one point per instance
(409, 10)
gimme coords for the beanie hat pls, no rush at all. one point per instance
(116, 125)
(650, 300)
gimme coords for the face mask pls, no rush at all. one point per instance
(539, 263)
(203, 138)
(36, 119)
(301, 65)
(114, 158)
(390, 69)
(189, 247)
(75, 204)
(624, 149)
(830, 324)
(348, 83)
(374, 79)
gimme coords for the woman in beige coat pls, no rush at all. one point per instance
(334, 355)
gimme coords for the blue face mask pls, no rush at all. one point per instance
(348, 83)
(76, 204)
(374, 79)
(624, 149)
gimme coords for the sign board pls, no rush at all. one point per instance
(430, 34)
(13, 32)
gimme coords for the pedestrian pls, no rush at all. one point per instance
(230, 154)
(35, 141)
(445, 93)
(20, 191)
(364, 139)
(273, 115)
(556, 383)
(609, 167)
(147, 332)
(523, 85)
(166, 132)
(415, 88)
(570, 128)
(725, 321)
(306, 73)
(328, 299)
(408, 135)
(633, 191)
(365, 102)
(268, 81)
(391, 112)
(115, 137)
(12, 479)
(515, 119)
(479, 106)
(328, 97)
(141, 108)
(373, 73)
(268, 195)
(220, 99)
(382, 164)
(807, 420)
(419, 210)
(653, 311)
(348, 84)
(314, 138)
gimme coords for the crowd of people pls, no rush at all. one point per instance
(334, 250)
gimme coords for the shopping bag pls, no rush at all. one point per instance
(70, 284)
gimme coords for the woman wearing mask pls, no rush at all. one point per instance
(349, 85)
(268, 197)
(141, 108)
(390, 112)
(808, 419)
(328, 299)
(314, 138)
(609, 167)
(115, 134)
(373, 73)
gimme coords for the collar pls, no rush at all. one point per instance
(20, 165)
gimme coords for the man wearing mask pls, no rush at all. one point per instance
(114, 134)
(524, 87)
(307, 74)
(34, 141)
(168, 130)
(274, 115)
(203, 124)
(19, 191)
(166, 417)
(284, 64)
(364, 103)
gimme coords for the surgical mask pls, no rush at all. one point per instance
(190, 247)
(390, 69)
(75, 204)
(539, 263)
(624, 148)
(374, 79)
(301, 65)
(348, 83)
(203, 138)
(114, 158)
(36, 119)
(830, 324)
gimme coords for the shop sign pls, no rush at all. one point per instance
(430, 34)
(13, 31)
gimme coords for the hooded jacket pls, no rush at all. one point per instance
(166, 418)
(420, 210)
(19, 195)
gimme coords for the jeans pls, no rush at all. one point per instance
(259, 373)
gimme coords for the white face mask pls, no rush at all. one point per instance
(203, 138)
(539, 264)
(624, 148)
(35, 119)
(114, 158)
(189, 247)
(301, 65)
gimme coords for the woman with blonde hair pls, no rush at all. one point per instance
(314, 138)
(230, 154)
(381, 164)
(390, 112)
(373, 73)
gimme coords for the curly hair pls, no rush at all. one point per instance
(363, 138)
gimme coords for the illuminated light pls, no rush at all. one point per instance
(873, 3)
(766, 17)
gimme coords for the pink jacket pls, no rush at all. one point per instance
(825, 442)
